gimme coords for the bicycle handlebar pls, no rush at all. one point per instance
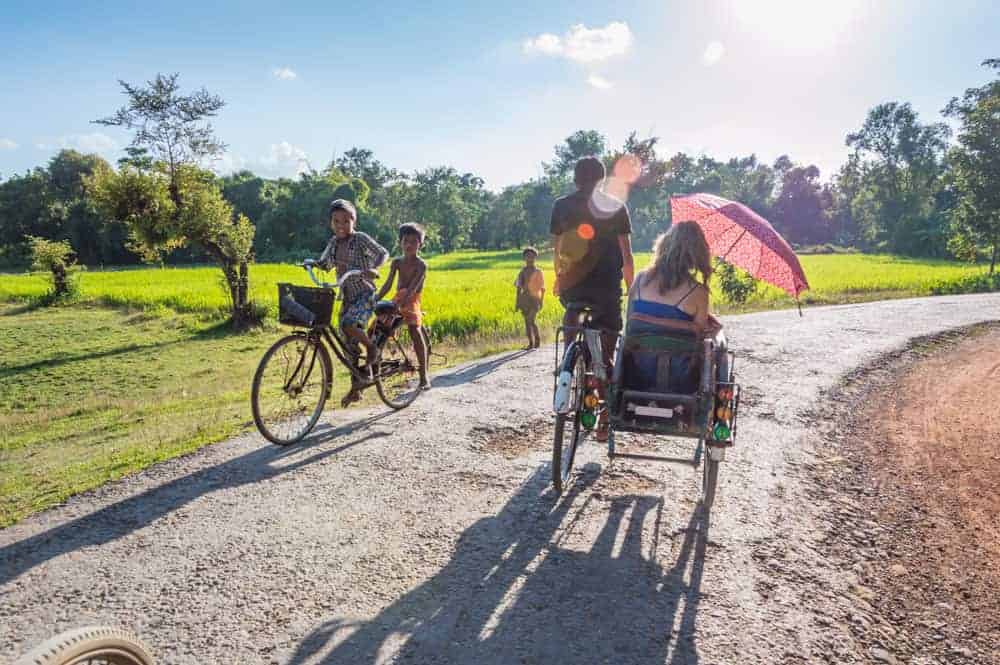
(309, 264)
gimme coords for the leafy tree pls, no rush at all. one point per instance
(578, 144)
(24, 211)
(449, 205)
(297, 220)
(174, 130)
(801, 209)
(975, 163)
(901, 163)
(56, 257)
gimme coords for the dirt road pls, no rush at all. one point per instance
(430, 535)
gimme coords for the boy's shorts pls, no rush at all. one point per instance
(411, 313)
(528, 305)
(357, 312)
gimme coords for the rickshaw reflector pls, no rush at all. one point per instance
(590, 401)
(721, 432)
(588, 419)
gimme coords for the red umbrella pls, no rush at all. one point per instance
(738, 235)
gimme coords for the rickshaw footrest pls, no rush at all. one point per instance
(656, 458)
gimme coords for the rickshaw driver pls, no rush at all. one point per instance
(592, 254)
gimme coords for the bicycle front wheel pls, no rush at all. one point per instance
(398, 379)
(567, 430)
(98, 645)
(290, 387)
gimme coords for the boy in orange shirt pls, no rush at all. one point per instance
(530, 285)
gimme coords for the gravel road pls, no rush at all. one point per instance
(431, 535)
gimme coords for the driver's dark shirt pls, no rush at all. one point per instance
(597, 275)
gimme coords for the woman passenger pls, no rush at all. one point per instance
(671, 296)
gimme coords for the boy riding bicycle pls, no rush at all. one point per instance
(593, 253)
(347, 250)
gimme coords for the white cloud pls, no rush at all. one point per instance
(284, 159)
(582, 44)
(713, 53)
(545, 44)
(599, 82)
(284, 73)
(7, 144)
(93, 142)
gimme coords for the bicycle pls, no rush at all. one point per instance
(577, 401)
(96, 645)
(296, 375)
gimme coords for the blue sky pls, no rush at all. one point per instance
(489, 88)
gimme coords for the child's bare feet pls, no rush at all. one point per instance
(352, 396)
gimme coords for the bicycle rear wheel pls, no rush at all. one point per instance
(290, 387)
(96, 645)
(398, 380)
(567, 431)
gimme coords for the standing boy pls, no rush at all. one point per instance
(530, 285)
(353, 250)
(411, 270)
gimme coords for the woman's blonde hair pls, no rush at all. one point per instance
(679, 254)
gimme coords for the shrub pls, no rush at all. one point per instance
(57, 257)
(982, 283)
(736, 285)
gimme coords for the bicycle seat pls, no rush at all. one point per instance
(385, 307)
(580, 306)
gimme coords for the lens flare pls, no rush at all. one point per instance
(613, 191)
(572, 248)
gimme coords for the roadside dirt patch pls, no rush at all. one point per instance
(512, 441)
(617, 481)
(914, 481)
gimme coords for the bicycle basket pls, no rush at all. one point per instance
(304, 305)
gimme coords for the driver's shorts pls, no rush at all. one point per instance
(606, 309)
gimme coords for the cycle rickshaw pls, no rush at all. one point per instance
(640, 396)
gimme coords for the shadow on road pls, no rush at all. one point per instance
(513, 594)
(471, 373)
(120, 519)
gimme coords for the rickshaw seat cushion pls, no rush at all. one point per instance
(662, 363)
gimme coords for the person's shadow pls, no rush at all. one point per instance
(512, 595)
(118, 519)
(475, 371)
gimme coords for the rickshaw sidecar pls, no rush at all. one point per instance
(674, 385)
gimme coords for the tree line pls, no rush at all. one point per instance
(908, 187)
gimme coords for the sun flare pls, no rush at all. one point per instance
(798, 25)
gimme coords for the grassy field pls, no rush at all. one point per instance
(142, 367)
(470, 295)
(88, 394)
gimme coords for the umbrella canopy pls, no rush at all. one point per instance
(738, 235)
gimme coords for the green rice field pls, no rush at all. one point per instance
(470, 294)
